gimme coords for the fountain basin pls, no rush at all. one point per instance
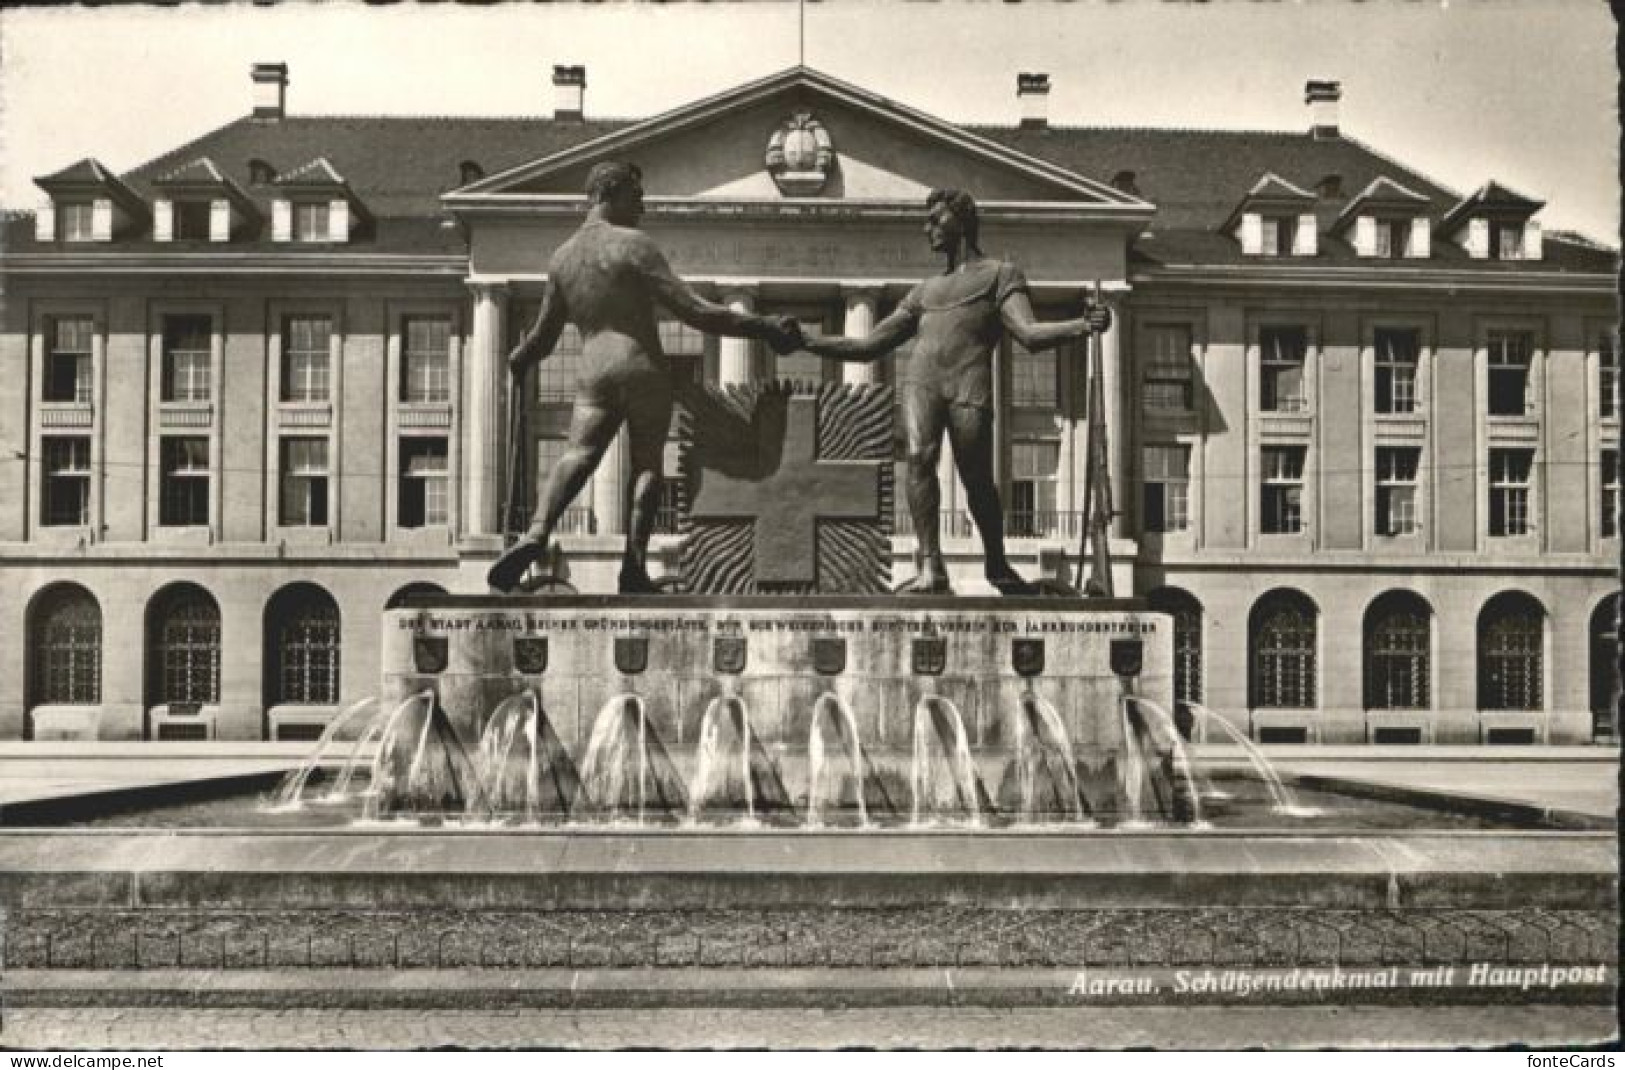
(636, 870)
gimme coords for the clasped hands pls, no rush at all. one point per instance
(783, 334)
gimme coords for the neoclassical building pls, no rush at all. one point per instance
(1364, 428)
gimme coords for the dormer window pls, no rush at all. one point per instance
(315, 204)
(76, 221)
(85, 202)
(1496, 223)
(197, 202)
(260, 173)
(310, 221)
(468, 172)
(1388, 222)
(1276, 219)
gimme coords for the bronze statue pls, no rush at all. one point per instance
(957, 319)
(607, 279)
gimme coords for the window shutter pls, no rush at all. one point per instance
(1478, 239)
(281, 221)
(220, 220)
(1305, 241)
(45, 222)
(1533, 248)
(101, 219)
(1421, 238)
(1365, 236)
(1252, 234)
(163, 220)
(338, 220)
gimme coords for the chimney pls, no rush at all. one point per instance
(270, 90)
(1032, 92)
(1322, 98)
(569, 91)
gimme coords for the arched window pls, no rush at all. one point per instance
(1605, 667)
(183, 647)
(302, 631)
(468, 171)
(1398, 632)
(419, 588)
(260, 173)
(65, 636)
(1187, 614)
(1281, 637)
(1511, 637)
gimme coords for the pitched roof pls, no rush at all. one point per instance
(89, 173)
(1272, 187)
(398, 165)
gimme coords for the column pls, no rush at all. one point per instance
(735, 353)
(860, 320)
(1119, 444)
(483, 424)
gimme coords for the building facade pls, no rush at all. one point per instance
(1364, 430)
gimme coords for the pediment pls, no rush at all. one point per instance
(835, 142)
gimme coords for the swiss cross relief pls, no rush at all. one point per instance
(787, 489)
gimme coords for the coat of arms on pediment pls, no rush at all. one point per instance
(800, 155)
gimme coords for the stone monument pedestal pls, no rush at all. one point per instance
(824, 710)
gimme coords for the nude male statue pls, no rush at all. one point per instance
(607, 280)
(957, 320)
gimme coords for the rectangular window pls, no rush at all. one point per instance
(1398, 352)
(1167, 487)
(426, 359)
(1396, 490)
(307, 356)
(1034, 466)
(75, 221)
(1506, 241)
(1510, 356)
(685, 361)
(187, 358)
(189, 220)
(578, 519)
(1510, 472)
(310, 221)
(183, 491)
(1607, 377)
(65, 490)
(424, 489)
(304, 482)
(69, 359)
(1610, 494)
(1169, 374)
(1282, 354)
(556, 376)
(1282, 490)
(1393, 238)
(1034, 383)
(1278, 232)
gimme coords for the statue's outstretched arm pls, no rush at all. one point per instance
(543, 335)
(679, 298)
(888, 334)
(1017, 314)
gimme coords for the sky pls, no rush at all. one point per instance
(1522, 91)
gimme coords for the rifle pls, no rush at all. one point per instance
(1095, 569)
